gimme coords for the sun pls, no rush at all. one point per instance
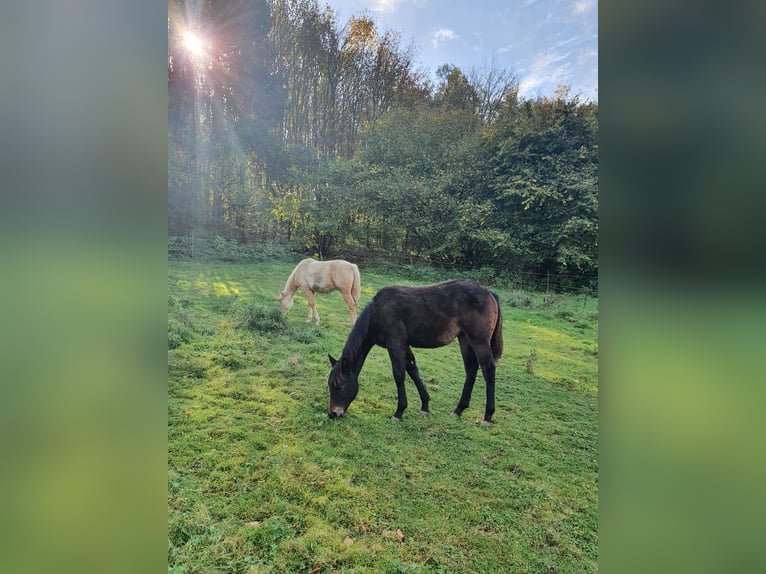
(193, 44)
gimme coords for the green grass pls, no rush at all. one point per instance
(261, 480)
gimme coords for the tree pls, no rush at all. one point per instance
(409, 155)
(285, 126)
(544, 158)
(455, 90)
(494, 87)
(223, 113)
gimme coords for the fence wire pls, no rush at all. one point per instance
(217, 248)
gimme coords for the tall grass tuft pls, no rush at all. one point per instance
(263, 320)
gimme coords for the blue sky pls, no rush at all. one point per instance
(543, 42)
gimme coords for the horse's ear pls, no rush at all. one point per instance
(344, 368)
(332, 361)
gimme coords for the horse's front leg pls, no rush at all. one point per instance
(398, 364)
(312, 307)
(412, 371)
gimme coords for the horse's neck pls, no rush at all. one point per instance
(291, 286)
(359, 342)
(356, 356)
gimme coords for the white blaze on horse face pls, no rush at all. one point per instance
(337, 411)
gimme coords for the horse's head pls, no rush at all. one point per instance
(343, 384)
(285, 301)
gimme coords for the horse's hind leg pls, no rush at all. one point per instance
(488, 370)
(350, 303)
(412, 371)
(471, 364)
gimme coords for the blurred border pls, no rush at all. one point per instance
(682, 308)
(83, 110)
(83, 252)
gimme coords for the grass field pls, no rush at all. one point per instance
(261, 480)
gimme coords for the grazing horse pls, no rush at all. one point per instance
(399, 318)
(312, 276)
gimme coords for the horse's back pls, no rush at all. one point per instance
(450, 297)
(326, 276)
(434, 315)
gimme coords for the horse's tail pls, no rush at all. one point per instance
(497, 334)
(356, 287)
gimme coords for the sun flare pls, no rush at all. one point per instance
(193, 44)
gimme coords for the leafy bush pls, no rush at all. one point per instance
(263, 320)
(565, 314)
(520, 301)
(229, 358)
(178, 334)
(174, 340)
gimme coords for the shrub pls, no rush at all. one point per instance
(263, 320)
(565, 314)
(178, 334)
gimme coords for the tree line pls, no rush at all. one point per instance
(288, 126)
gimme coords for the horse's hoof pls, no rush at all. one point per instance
(422, 412)
(454, 414)
(396, 420)
(486, 423)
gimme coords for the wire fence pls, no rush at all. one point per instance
(408, 266)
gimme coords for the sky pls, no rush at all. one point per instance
(544, 43)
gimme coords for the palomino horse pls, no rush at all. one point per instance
(399, 318)
(312, 276)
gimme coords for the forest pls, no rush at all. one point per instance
(287, 126)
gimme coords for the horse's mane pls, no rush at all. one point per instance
(289, 280)
(291, 277)
(357, 338)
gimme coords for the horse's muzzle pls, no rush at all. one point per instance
(335, 412)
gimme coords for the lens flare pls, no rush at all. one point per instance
(193, 43)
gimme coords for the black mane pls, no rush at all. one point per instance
(399, 318)
(357, 342)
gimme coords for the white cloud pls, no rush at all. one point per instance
(587, 58)
(549, 68)
(584, 6)
(440, 36)
(563, 43)
(387, 6)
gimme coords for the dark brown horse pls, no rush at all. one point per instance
(399, 318)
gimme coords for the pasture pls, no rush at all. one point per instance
(260, 480)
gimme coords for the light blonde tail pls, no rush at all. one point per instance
(356, 288)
